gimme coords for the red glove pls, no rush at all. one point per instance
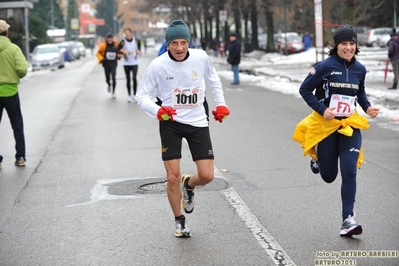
(165, 113)
(220, 113)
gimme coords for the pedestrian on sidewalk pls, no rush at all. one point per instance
(332, 89)
(307, 40)
(393, 55)
(13, 67)
(177, 78)
(131, 50)
(234, 57)
(108, 54)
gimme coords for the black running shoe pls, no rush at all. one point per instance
(314, 166)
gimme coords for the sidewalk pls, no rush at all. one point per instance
(285, 73)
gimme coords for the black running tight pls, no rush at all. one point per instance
(110, 72)
(132, 69)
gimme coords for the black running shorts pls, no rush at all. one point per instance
(198, 139)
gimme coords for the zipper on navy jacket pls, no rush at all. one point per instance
(347, 72)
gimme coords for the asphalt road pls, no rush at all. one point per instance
(78, 201)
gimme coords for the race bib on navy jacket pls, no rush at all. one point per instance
(334, 76)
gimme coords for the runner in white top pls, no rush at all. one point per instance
(131, 50)
(177, 78)
(181, 85)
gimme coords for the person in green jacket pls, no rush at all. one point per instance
(13, 67)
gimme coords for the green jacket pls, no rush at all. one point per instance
(13, 67)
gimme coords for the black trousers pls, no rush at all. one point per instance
(132, 69)
(110, 72)
(13, 108)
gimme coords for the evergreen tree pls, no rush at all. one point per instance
(38, 31)
(17, 33)
(106, 9)
(42, 10)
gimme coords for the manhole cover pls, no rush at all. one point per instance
(154, 186)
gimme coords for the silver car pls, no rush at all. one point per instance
(47, 56)
(81, 49)
(378, 37)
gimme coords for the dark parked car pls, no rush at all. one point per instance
(65, 50)
(73, 49)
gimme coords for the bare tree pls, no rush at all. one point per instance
(254, 24)
(268, 9)
(245, 14)
(235, 5)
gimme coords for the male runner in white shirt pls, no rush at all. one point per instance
(177, 78)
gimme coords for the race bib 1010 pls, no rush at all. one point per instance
(185, 98)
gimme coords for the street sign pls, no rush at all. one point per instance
(74, 23)
(92, 28)
(95, 21)
(222, 15)
(85, 8)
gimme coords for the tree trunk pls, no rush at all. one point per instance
(254, 25)
(237, 19)
(268, 8)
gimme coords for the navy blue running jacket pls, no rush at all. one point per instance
(334, 75)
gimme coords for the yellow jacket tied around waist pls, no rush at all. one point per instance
(314, 128)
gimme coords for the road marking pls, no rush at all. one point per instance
(234, 89)
(100, 192)
(268, 243)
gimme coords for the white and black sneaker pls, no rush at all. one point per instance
(109, 88)
(314, 166)
(350, 227)
(187, 201)
(181, 227)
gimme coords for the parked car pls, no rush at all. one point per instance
(47, 56)
(288, 43)
(81, 49)
(262, 40)
(73, 49)
(65, 50)
(362, 34)
(150, 42)
(378, 37)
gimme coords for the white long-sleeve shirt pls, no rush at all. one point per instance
(180, 85)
